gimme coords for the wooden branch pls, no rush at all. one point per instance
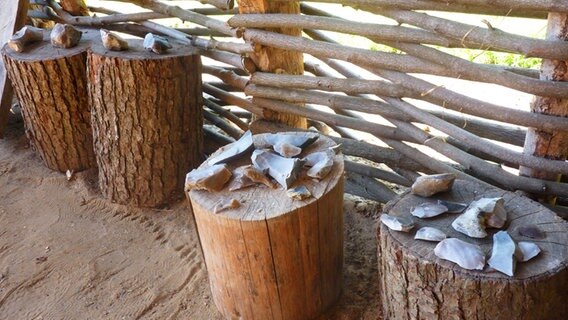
(458, 102)
(227, 76)
(222, 124)
(411, 64)
(477, 166)
(394, 61)
(220, 4)
(226, 114)
(381, 31)
(348, 86)
(478, 39)
(357, 124)
(445, 6)
(186, 15)
(477, 143)
(489, 39)
(352, 147)
(235, 60)
(184, 38)
(498, 132)
(367, 187)
(369, 171)
(542, 5)
(216, 137)
(96, 21)
(201, 32)
(232, 99)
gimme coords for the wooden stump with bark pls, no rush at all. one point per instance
(147, 121)
(51, 85)
(274, 257)
(415, 284)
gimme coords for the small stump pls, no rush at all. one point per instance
(274, 257)
(147, 121)
(51, 85)
(415, 284)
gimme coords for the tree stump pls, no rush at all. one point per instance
(147, 121)
(274, 257)
(415, 284)
(51, 85)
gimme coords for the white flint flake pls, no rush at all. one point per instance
(503, 253)
(466, 255)
(430, 234)
(397, 223)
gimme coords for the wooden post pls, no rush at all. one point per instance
(274, 257)
(415, 284)
(12, 18)
(274, 60)
(147, 121)
(51, 85)
(544, 143)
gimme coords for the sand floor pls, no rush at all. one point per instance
(67, 253)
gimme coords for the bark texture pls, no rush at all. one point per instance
(277, 60)
(51, 86)
(415, 284)
(551, 144)
(274, 257)
(147, 121)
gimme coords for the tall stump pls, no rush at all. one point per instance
(147, 121)
(51, 85)
(274, 257)
(415, 284)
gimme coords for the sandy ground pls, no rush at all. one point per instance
(67, 253)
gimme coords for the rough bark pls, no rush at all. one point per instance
(415, 284)
(51, 86)
(147, 119)
(277, 60)
(551, 144)
(273, 257)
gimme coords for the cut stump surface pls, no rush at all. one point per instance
(274, 257)
(415, 284)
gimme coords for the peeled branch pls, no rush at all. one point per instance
(65, 36)
(234, 150)
(112, 41)
(426, 186)
(211, 178)
(284, 170)
(156, 44)
(23, 37)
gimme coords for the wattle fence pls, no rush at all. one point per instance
(379, 92)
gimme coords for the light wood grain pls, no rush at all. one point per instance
(274, 257)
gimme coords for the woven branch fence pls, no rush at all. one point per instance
(344, 91)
